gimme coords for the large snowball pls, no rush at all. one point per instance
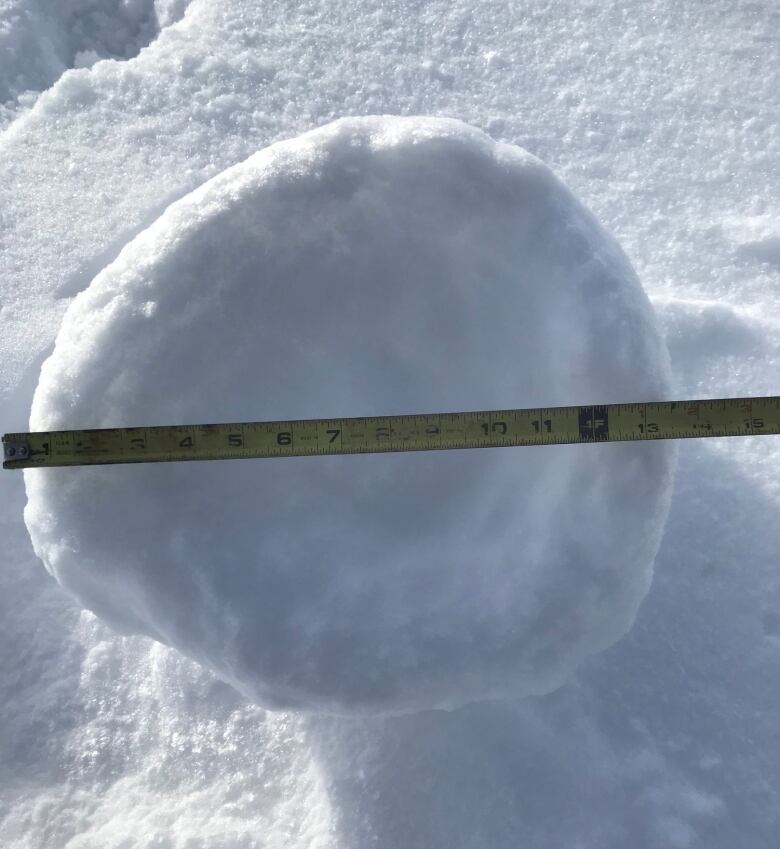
(374, 266)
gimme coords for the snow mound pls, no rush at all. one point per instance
(757, 237)
(41, 39)
(376, 265)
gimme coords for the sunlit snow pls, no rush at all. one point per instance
(663, 119)
(378, 265)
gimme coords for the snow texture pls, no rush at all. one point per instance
(40, 39)
(377, 265)
(664, 118)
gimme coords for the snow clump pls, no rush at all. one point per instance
(374, 266)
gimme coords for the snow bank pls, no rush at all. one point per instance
(40, 39)
(377, 265)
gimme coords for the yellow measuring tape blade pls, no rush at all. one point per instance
(418, 432)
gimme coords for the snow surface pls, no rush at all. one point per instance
(40, 39)
(664, 119)
(377, 265)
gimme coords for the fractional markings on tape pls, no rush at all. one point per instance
(418, 432)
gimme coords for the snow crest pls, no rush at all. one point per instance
(374, 266)
(41, 39)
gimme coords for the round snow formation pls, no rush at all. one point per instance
(374, 266)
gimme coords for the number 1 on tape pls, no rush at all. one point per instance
(375, 434)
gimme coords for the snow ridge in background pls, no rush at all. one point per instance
(377, 265)
(40, 39)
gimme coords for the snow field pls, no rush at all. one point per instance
(663, 118)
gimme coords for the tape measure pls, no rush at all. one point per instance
(418, 432)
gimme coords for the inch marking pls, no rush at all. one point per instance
(634, 421)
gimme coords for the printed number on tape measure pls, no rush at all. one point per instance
(418, 432)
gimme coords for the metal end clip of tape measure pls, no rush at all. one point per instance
(418, 432)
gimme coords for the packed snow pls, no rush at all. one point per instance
(377, 265)
(664, 119)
